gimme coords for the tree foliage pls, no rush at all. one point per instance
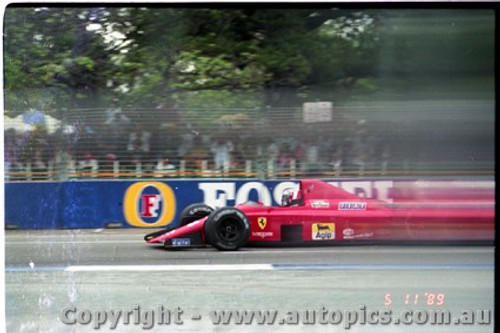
(67, 57)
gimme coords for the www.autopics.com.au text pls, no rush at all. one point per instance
(160, 315)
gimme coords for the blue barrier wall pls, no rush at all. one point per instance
(34, 206)
(95, 204)
(152, 203)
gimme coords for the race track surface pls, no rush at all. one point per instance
(79, 276)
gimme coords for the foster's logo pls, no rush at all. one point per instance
(149, 204)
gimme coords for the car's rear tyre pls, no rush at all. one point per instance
(194, 212)
(227, 229)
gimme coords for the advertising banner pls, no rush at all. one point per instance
(157, 204)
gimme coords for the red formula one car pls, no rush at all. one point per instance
(317, 213)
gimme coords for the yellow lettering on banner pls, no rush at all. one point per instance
(132, 197)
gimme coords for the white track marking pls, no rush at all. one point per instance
(76, 242)
(250, 267)
(145, 268)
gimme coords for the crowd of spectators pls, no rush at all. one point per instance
(161, 141)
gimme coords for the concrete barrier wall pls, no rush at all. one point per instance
(156, 204)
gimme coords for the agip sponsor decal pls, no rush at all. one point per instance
(149, 204)
(323, 231)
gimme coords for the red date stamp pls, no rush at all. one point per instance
(427, 298)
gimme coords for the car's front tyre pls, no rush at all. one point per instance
(194, 212)
(190, 214)
(227, 229)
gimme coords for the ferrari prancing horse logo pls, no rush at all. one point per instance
(262, 222)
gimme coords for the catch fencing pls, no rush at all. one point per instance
(388, 138)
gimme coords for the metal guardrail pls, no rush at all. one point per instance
(251, 170)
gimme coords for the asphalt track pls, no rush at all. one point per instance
(104, 270)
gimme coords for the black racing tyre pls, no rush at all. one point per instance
(227, 229)
(194, 212)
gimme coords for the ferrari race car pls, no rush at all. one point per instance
(319, 213)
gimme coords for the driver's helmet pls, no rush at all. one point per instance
(290, 197)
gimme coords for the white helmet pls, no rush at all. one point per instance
(291, 197)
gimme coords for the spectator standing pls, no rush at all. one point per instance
(285, 157)
(12, 146)
(138, 146)
(298, 154)
(312, 154)
(164, 168)
(88, 163)
(168, 128)
(116, 122)
(196, 154)
(115, 115)
(222, 148)
(272, 151)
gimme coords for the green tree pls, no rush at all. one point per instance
(79, 57)
(57, 60)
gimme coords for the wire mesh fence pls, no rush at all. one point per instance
(357, 139)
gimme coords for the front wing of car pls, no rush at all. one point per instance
(189, 235)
